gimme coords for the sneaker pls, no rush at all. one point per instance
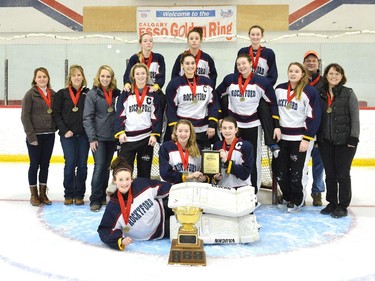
(95, 208)
(275, 149)
(281, 202)
(339, 212)
(328, 209)
(317, 199)
(104, 202)
(79, 201)
(68, 201)
(292, 208)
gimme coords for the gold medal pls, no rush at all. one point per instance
(288, 106)
(75, 109)
(329, 109)
(185, 173)
(110, 109)
(126, 229)
(194, 100)
(49, 110)
(242, 99)
(139, 111)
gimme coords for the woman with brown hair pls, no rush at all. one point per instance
(40, 128)
(338, 138)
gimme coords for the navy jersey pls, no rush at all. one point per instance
(205, 67)
(146, 218)
(266, 65)
(170, 163)
(301, 119)
(180, 103)
(238, 171)
(245, 110)
(138, 122)
(156, 69)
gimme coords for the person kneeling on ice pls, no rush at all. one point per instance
(136, 210)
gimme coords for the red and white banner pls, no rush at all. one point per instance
(218, 22)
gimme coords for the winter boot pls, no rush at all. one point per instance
(34, 199)
(43, 196)
(317, 199)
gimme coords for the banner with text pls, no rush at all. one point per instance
(166, 23)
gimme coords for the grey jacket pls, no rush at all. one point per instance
(99, 124)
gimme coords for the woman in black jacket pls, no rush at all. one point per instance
(68, 115)
(338, 138)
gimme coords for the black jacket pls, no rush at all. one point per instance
(341, 126)
(65, 118)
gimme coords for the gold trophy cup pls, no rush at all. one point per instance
(187, 249)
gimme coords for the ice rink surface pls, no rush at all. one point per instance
(58, 242)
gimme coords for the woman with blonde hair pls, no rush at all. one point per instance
(37, 121)
(68, 115)
(139, 121)
(300, 114)
(98, 121)
(180, 158)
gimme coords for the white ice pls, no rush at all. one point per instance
(29, 250)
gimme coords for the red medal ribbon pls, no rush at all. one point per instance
(47, 98)
(125, 210)
(184, 156)
(244, 86)
(289, 96)
(193, 87)
(74, 98)
(142, 98)
(251, 53)
(231, 148)
(198, 57)
(149, 60)
(108, 96)
(312, 83)
(329, 99)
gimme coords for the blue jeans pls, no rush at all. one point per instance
(40, 156)
(317, 172)
(76, 152)
(102, 162)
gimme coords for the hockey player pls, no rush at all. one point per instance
(135, 210)
(139, 121)
(240, 95)
(192, 97)
(205, 64)
(236, 156)
(180, 158)
(300, 114)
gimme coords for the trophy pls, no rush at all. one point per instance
(211, 162)
(187, 249)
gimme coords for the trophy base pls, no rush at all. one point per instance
(185, 254)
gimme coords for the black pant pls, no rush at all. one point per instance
(337, 161)
(288, 167)
(251, 135)
(144, 153)
(265, 117)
